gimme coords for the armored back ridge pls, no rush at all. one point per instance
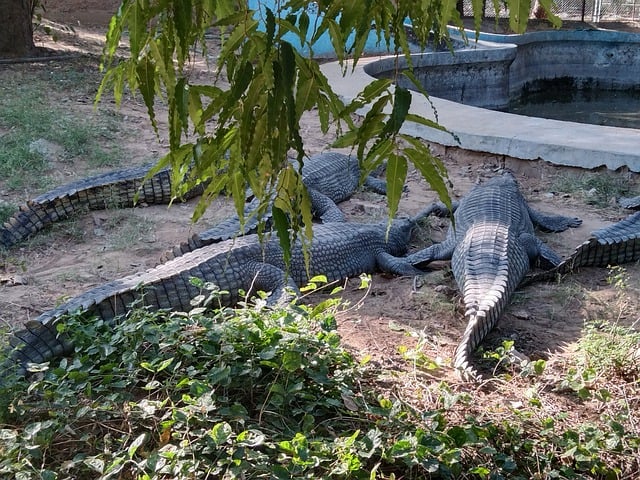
(338, 250)
(330, 178)
(491, 250)
(110, 190)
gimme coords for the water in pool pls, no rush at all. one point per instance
(616, 108)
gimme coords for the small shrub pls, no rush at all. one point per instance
(262, 393)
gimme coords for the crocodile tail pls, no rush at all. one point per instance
(615, 244)
(488, 265)
(121, 188)
(612, 245)
(478, 326)
(36, 343)
(631, 203)
(7, 237)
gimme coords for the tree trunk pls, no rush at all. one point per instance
(16, 29)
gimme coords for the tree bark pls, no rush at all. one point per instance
(16, 29)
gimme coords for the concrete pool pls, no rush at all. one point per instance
(485, 75)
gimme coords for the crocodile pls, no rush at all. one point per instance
(632, 203)
(491, 245)
(611, 245)
(330, 178)
(243, 264)
(120, 189)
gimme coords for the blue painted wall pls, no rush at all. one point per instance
(322, 48)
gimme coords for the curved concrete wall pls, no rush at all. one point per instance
(490, 72)
(482, 130)
(473, 76)
(599, 59)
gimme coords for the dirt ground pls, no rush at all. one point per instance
(545, 320)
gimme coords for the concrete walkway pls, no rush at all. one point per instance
(529, 138)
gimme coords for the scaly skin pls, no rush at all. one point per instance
(630, 202)
(338, 251)
(612, 245)
(330, 178)
(491, 250)
(114, 189)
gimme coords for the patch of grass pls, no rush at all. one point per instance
(30, 111)
(595, 188)
(126, 229)
(610, 349)
(6, 211)
(567, 293)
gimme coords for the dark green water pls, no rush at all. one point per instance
(616, 108)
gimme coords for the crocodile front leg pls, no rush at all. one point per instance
(324, 208)
(437, 251)
(396, 265)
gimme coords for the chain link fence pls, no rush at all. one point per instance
(583, 10)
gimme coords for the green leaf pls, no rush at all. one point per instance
(401, 105)
(182, 15)
(291, 360)
(146, 75)
(477, 7)
(182, 103)
(137, 28)
(270, 28)
(370, 93)
(137, 443)
(429, 166)
(220, 433)
(396, 177)
(459, 435)
(281, 225)
(303, 26)
(196, 111)
(237, 192)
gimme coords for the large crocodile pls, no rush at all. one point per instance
(491, 246)
(338, 250)
(330, 178)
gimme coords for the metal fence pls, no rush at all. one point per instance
(583, 10)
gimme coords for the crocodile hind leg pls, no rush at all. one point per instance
(553, 223)
(264, 277)
(539, 252)
(437, 251)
